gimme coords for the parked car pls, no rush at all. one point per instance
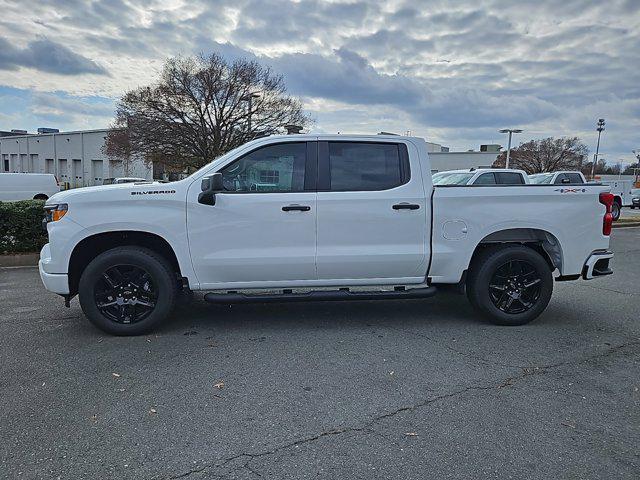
(484, 176)
(558, 178)
(111, 181)
(341, 211)
(27, 186)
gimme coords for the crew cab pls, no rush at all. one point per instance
(481, 176)
(320, 217)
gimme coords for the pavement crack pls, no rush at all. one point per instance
(369, 425)
(459, 352)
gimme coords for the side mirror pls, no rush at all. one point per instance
(210, 185)
(565, 180)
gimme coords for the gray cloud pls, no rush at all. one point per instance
(456, 70)
(47, 56)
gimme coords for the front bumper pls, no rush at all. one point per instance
(597, 265)
(54, 282)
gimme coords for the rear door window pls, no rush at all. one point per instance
(575, 177)
(361, 166)
(485, 179)
(509, 178)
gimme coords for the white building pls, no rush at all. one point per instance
(442, 159)
(76, 158)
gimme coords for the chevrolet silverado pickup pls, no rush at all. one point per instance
(320, 217)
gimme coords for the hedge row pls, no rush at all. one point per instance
(21, 226)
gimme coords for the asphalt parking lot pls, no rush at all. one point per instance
(395, 389)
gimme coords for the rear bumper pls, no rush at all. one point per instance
(54, 282)
(597, 265)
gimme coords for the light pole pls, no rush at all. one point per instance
(249, 98)
(599, 128)
(510, 131)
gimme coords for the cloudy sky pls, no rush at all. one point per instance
(452, 71)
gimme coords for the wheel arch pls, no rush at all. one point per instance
(90, 247)
(542, 241)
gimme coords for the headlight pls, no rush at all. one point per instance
(53, 213)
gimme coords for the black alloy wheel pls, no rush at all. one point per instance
(509, 284)
(125, 294)
(128, 290)
(515, 286)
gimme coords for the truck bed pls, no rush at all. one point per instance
(567, 220)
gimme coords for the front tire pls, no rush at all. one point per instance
(509, 285)
(127, 290)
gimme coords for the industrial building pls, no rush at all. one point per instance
(76, 158)
(443, 159)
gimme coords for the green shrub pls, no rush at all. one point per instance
(21, 226)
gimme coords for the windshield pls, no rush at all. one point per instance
(439, 175)
(453, 179)
(541, 178)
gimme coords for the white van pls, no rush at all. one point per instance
(27, 186)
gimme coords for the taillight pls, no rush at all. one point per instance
(606, 199)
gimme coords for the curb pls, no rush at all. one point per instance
(20, 260)
(626, 225)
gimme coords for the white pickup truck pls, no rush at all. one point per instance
(307, 217)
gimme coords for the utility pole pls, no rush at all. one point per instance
(599, 128)
(249, 99)
(510, 131)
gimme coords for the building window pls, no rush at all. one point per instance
(270, 176)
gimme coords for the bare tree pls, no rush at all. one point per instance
(199, 110)
(547, 155)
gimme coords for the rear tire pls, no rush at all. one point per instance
(127, 290)
(509, 284)
(615, 210)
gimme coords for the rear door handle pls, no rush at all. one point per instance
(406, 206)
(301, 208)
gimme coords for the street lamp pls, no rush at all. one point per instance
(249, 98)
(599, 128)
(510, 131)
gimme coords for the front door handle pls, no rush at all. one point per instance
(300, 208)
(406, 206)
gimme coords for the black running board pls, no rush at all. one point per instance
(321, 295)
